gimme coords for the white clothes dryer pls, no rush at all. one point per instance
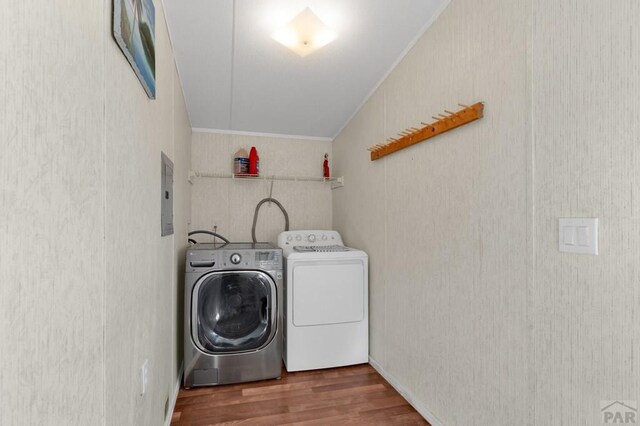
(326, 295)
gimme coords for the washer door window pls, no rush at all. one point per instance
(233, 311)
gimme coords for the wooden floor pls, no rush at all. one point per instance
(355, 395)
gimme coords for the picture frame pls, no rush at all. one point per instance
(134, 31)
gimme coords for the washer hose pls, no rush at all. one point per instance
(210, 233)
(255, 216)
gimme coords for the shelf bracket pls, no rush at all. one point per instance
(338, 183)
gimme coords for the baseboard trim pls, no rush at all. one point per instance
(420, 408)
(174, 397)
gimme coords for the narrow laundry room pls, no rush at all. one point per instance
(319, 212)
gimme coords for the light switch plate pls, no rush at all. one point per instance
(578, 235)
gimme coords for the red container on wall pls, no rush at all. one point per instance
(254, 162)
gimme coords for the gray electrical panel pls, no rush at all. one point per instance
(167, 195)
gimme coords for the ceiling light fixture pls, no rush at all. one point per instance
(305, 34)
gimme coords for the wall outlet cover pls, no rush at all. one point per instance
(144, 377)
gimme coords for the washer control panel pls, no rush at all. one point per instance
(203, 257)
(309, 238)
(271, 259)
(252, 259)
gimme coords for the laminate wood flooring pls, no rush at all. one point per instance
(355, 395)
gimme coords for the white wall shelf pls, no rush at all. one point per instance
(336, 182)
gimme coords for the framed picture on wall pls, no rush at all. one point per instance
(134, 23)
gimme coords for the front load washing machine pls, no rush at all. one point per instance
(233, 311)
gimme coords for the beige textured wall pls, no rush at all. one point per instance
(587, 164)
(447, 222)
(182, 210)
(88, 289)
(472, 305)
(52, 272)
(142, 296)
(230, 204)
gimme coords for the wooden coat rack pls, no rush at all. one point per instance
(443, 124)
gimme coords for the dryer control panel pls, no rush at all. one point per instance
(309, 238)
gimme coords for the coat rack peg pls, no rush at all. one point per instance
(442, 124)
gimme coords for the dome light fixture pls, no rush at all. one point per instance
(305, 34)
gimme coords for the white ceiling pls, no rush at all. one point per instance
(237, 78)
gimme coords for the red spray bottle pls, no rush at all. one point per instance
(325, 166)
